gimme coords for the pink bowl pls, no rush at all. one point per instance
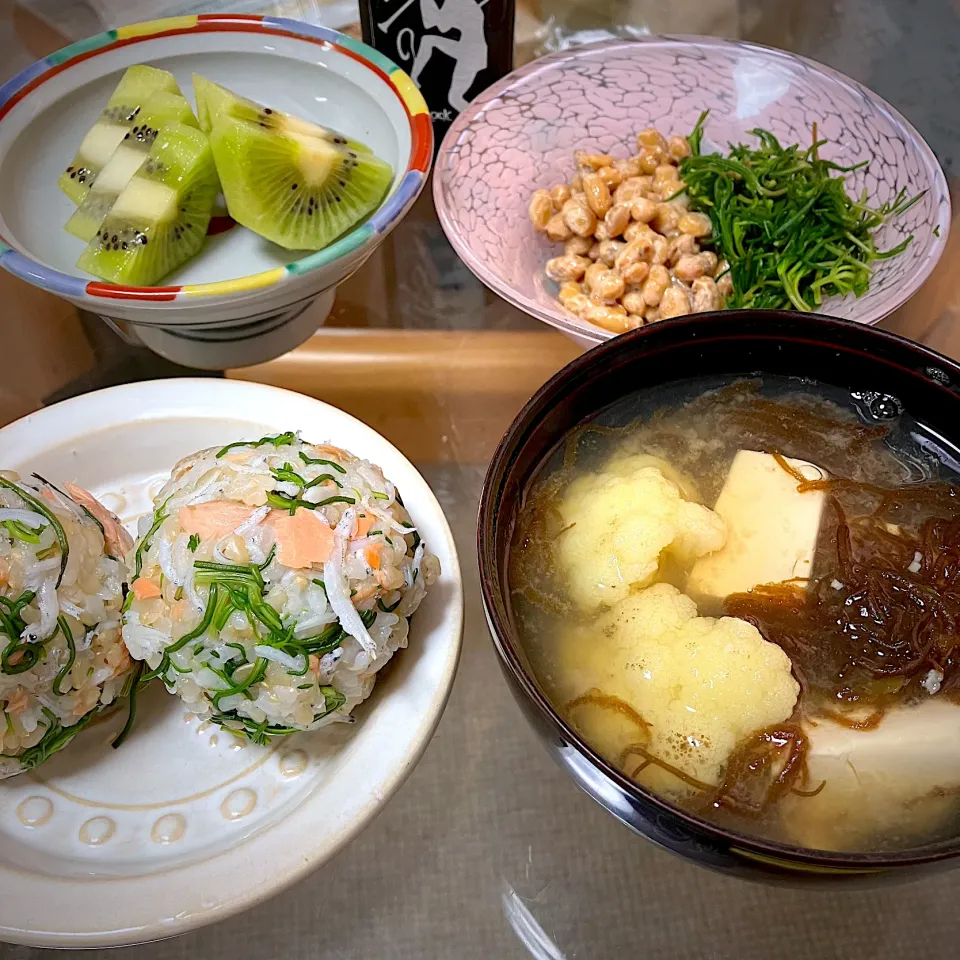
(521, 133)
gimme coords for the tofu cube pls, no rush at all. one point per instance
(889, 785)
(772, 529)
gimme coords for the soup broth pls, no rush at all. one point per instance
(746, 596)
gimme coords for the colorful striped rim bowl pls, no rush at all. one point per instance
(237, 300)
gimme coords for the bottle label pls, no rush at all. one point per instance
(452, 49)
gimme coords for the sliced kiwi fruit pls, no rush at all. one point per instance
(158, 112)
(160, 219)
(102, 139)
(214, 102)
(299, 191)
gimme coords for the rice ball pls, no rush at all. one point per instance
(272, 581)
(61, 593)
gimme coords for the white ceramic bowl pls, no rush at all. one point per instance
(237, 301)
(182, 826)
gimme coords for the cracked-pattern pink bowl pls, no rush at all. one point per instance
(520, 134)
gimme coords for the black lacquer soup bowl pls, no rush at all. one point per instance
(729, 344)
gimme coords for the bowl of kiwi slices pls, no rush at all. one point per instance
(205, 180)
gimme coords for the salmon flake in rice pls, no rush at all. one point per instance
(62, 658)
(272, 582)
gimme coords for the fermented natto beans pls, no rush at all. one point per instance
(567, 267)
(541, 209)
(617, 218)
(705, 295)
(578, 246)
(633, 251)
(578, 217)
(657, 281)
(675, 302)
(597, 193)
(559, 195)
(557, 229)
(609, 250)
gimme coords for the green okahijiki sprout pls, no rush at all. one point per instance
(784, 222)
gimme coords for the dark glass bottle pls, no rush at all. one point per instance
(452, 49)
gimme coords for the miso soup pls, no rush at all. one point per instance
(746, 597)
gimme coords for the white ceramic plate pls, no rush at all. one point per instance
(184, 824)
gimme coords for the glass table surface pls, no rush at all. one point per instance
(488, 850)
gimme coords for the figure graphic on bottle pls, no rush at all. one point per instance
(450, 48)
(468, 51)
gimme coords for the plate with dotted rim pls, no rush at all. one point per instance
(186, 824)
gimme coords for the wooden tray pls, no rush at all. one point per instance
(439, 396)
